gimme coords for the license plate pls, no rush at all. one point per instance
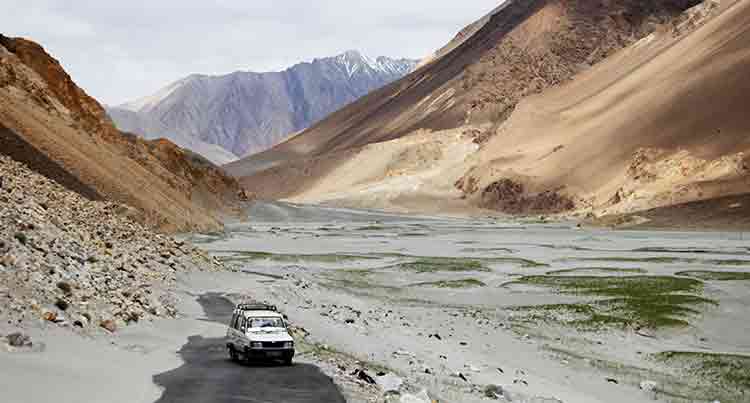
(274, 353)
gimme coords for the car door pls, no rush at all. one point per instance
(239, 331)
(230, 328)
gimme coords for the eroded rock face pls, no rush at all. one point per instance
(78, 145)
(75, 262)
(511, 197)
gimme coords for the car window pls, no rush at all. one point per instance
(266, 322)
(233, 323)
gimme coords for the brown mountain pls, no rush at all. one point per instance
(521, 49)
(603, 107)
(660, 123)
(52, 125)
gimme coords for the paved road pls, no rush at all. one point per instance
(208, 376)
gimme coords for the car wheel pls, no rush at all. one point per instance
(288, 361)
(233, 354)
(248, 357)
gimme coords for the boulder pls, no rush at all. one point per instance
(494, 392)
(19, 340)
(109, 325)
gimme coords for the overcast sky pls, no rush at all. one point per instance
(121, 50)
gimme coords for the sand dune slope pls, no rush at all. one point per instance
(522, 48)
(660, 123)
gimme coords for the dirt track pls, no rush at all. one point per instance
(209, 376)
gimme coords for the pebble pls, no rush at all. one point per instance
(648, 386)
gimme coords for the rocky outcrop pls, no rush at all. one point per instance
(50, 123)
(79, 263)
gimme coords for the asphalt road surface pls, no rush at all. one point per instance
(208, 376)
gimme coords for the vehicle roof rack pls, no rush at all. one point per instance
(256, 307)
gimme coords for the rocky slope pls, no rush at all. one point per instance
(525, 47)
(48, 122)
(80, 263)
(654, 124)
(245, 112)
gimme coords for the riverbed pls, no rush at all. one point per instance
(547, 311)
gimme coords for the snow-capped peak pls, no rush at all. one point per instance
(354, 62)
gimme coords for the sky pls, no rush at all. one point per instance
(119, 51)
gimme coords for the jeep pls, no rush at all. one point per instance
(258, 331)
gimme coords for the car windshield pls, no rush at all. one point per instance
(266, 322)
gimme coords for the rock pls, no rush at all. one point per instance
(494, 392)
(109, 325)
(471, 368)
(62, 304)
(19, 340)
(65, 287)
(49, 316)
(362, 375)
(648, 386)
(421, 397)
(390, 383)
(460, 376)
(8, 260)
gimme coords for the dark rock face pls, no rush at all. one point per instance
(511, 197)
(247, 112)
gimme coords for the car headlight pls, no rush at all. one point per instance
(289, 344)
(256, 344)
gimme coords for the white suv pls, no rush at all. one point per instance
(259, 331)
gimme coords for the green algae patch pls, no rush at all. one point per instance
(625, 301)
(598, 270)
(440, 264)
(709, 275)
(726, 377)
(462, 283)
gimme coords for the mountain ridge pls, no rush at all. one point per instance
(55, 128)
(245, 112)
(525, 118)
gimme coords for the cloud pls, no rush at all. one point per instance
(121, 50)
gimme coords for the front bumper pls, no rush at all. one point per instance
(270, 353)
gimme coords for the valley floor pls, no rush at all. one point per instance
(474, 309)
(411, 309)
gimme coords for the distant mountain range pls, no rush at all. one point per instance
(242, 113)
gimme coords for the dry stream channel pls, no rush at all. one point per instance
(521, 310)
